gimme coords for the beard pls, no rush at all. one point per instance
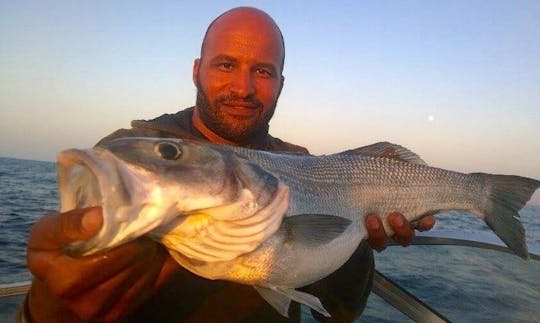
(216, 118)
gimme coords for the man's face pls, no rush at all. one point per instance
(238, 79)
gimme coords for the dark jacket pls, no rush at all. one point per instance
(190, 298)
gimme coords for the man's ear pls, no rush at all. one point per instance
(281, 85)
(196, 65)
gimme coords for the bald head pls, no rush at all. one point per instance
(246, 21)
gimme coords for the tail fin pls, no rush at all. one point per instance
(505, 196)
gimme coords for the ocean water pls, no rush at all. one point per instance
(27, 192)
(464, 284)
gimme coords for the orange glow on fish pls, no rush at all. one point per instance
(194, 224)
(253, 269)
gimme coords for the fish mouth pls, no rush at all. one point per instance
(89, 178)
(82, 177)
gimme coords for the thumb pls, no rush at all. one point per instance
(55, 231)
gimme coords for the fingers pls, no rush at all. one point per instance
(105, 285)
(114, 296)
(55, 231)
(403, 229)
(68, 276)
(140, 289)
(403, 233)
(80, 274)
(170, 266)
(108, 285)
(376, 235)
(426, 223)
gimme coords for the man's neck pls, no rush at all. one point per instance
(205, 131)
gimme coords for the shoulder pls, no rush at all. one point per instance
(181, 118)
(168, 122)
(276, 144)
(166, 125)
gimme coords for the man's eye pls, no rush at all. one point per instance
(264, 72)
(225, 66)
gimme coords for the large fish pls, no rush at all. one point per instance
(273, 221)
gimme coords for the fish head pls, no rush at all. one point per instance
(145, 183)
(189, 172)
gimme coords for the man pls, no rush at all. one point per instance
(239, 80)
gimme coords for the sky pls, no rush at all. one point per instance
(457, 82)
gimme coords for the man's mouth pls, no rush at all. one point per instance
(242, 109)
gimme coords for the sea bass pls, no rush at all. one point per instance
(270, 220)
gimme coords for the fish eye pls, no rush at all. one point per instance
(168, 150)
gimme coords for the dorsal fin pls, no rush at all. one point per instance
(388, 150)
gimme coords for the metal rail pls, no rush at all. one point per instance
(14, 289)
(467, 239)
(404, 301)
(409, 304)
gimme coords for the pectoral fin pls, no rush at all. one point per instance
(314, 229)
(280, 298)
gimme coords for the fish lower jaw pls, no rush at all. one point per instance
(121, 224)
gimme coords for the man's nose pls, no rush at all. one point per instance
(242, 84)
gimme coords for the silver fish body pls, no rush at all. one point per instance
(274, 221)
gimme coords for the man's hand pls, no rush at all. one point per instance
(103, 286)
(404, 231)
